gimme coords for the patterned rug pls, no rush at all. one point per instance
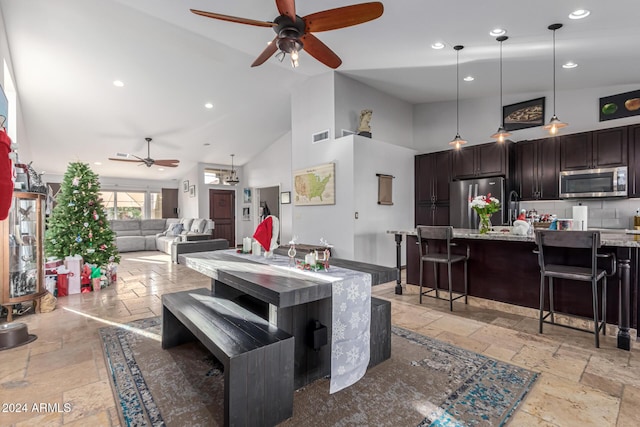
(425, 383)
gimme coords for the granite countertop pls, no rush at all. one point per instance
(608, 237)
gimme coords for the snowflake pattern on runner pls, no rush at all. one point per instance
(351, 299)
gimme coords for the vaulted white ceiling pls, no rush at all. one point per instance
(67, 53)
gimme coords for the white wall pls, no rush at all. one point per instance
(392, 119)
(313, 110)
(435, 123)
(270, 168)
(372, 244)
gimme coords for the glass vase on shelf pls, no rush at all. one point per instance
(485, 223)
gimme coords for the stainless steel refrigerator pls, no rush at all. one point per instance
(461, 192)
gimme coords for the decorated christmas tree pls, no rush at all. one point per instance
(78, 225)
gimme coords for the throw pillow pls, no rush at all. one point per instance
(174, 230)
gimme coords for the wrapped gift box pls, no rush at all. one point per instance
(74, 266)
(50, 267)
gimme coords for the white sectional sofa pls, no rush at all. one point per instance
(173, 236)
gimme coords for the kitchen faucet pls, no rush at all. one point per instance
(513, 206)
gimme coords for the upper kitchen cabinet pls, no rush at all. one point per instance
(538, 168)
(597, 149)
(481, 161)
(634, 160)
(433, 173)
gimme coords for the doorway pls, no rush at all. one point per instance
(222, 210)
(268, 199)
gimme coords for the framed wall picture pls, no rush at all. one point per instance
(285, 197)
(523, 115)
(246, 195)
(621, 105)
(192, 191)
(246, 213)
(185, 185)
(315, 185)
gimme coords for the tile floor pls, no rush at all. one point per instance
(579, 384)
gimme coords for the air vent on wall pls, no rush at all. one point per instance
(320, 136)
(123, 155)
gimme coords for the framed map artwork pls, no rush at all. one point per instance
(315, 185)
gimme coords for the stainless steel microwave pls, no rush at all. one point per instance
(604, 182)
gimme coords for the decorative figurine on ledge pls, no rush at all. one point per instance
(363, 128)
(292, 252)
(323, 258)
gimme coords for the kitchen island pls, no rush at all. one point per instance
(503, 267)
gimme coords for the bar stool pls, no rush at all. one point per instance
(443, 236)
(573, 241)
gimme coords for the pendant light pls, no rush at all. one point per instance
(233, 178)
(501, 134)
(457, 141)
(555, 123)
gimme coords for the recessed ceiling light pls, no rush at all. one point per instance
(97, 163)
(497, 32)
(206, 144)
(161, 169)
(469, 79)
(437, 45)
(579, 14)
(118, 83)
(208, 105)
(569, 65)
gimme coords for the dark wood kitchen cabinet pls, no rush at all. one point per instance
(597, 149)
(433, 173)
(432, 177)
(634, 160)
(480, 161)
(538, 169)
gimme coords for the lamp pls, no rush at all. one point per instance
(555, 123)
(501, 133)
(457, 141)
(232, 179)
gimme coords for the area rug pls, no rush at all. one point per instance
(425, 383)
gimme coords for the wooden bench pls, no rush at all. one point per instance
(258, 358)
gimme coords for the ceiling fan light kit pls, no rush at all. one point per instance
(555, 123)
(293, 33)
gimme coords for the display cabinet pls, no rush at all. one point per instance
(21, 252)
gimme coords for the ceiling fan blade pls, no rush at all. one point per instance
(287, 7)
(167, 163)
(342, 17)
(314, 47)
(126, 160)
(233, 18)
(267, 53)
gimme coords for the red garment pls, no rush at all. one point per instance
(264, 233)
(6, 172)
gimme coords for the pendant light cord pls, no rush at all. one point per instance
(457, 92)
(554, 72)
(501, 85)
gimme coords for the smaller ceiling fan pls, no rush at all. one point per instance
(148, 161)
(294, 33)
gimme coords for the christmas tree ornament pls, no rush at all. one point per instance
(95, 215)
(91, 203)
(75, 191)
(76, 181)
(86, 224)
(78, 239)
(71, 204)
(90, 235)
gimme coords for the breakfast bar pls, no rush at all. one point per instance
(503, 267)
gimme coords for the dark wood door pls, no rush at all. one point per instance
(441, 176)
(634, 161)
(610, 147)
(222, 210)
(548, 158)
(424, 178)
(169, 203)
(463, 163)
(576, 151)
(527, 170)
(490, 159)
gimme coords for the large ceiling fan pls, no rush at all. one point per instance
(148, 161)
(293, 33)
